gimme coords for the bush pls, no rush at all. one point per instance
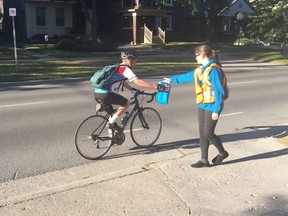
(84, 43)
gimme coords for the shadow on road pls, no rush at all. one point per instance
(190, 143)
(247, 133)
(255, 132)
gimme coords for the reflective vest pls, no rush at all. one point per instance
(203, 86)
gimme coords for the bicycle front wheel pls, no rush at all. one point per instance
(92, 138)
(146, 127)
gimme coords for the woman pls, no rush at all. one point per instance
(209, 81)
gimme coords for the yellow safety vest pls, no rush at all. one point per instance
(205, 92)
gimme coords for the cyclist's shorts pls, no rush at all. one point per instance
(111, 98)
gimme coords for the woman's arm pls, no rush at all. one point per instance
(182, 78)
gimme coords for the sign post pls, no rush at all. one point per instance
(12, 13)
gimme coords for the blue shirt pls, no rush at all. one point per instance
(216, 79)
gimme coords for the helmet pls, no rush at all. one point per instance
(128, 55)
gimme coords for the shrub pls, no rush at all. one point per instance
(84, 43)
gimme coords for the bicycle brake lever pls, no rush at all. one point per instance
(152, 97)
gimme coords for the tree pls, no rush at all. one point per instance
(269, 21)
(92, 18)
(207, 8)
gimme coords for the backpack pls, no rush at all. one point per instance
(102, 78)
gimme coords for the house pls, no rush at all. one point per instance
(145, 21)
(38, 18)
(135, 21)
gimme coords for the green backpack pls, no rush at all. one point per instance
(102, 78)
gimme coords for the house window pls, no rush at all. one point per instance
(60, 17)
(168, 2)
(158, 22)
(127, 22)
(226, 24)
(169, 23)
(40, 16)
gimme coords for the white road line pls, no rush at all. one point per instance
(241, 83)
(24, 104)
(232, 114)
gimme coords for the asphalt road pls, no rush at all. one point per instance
(39, 119)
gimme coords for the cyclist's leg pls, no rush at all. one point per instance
(117, 99)
(114, 99)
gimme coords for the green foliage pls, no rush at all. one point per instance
(84, 43)
(269, 21)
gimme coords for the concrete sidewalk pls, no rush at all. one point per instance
(252, 181)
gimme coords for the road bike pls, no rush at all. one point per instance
(93, 137)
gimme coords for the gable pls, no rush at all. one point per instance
(235, 7)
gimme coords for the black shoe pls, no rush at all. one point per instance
(219, 158)
(114, 127)
(200, 164)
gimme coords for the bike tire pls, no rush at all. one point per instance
(142, 135)
(92, 139)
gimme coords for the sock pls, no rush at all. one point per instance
(113, 118)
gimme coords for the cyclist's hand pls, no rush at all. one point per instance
(163, 87)
(166, 79)
(134, 90)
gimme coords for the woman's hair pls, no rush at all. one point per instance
(207, 51)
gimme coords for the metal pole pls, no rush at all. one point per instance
(15, 49)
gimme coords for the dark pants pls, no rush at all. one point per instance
(206, 130)
(111, 98)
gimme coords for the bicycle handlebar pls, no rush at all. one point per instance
(138, 92)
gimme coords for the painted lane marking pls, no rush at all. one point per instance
(241, 83)
(24, 104)
(232, 114)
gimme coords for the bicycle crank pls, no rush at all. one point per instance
(119, 138)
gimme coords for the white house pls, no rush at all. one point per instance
(49, 18)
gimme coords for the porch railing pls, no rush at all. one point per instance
(148, 35)
(161, 34)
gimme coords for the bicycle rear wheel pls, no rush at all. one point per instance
(146, 127)
(92, 138)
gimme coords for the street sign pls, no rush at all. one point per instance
(12, 12)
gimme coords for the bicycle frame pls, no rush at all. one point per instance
(137, 108)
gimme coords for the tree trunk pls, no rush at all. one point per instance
(94, 25)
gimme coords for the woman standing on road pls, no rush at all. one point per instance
(209, 81)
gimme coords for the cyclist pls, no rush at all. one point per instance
(111, 96)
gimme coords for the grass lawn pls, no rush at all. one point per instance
(89, 62)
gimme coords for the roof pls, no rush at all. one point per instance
(235, 7)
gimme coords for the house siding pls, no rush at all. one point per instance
(50, 28)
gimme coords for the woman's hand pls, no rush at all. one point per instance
(166, 79)
(215, 116)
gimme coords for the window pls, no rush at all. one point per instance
(158, 22)
(169, 23)
(127, 22)
(60, 17)
(40, 16)
(226, 24)
(168, 2)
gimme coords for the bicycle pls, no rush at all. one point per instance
(93, 138)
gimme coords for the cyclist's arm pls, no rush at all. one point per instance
(143, 83)
(127, 86)
(130, 75)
